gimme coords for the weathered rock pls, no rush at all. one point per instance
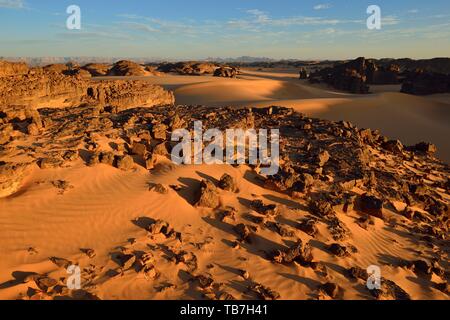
(299, 253)
(338, 250)
(139, 149)
(357, 273)
(50, 163)
(323, 158)
(261, 208)
(126, 68)
(371, 205)
(159, 131)
(225, 72)
(243, 231)
(227, 183)
(125, 163)
(11, 177)
(208, 195)
(309, 227)
(330, 289)
(263, 292)
(394, 146)
(97, 69)
(322, 208)
(389, 291)
(12, 68)
(159, 188)
(424, 147)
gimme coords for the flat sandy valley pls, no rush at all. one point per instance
(58, 213)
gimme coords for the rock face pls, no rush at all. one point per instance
(382, 75)
(12, 68)
(39, 88)
(126, 68)
(420, 82)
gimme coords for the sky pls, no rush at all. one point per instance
(197, 29)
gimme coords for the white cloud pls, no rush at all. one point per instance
(12, 4)
(323, 6)
(390, 20)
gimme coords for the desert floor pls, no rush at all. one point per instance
(99, 209)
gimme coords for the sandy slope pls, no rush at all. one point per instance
(98, 212)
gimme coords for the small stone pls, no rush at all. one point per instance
(338, 250)
(331, 289)
(208, 196)
(227, 183)
(323, 158)
(159, 188)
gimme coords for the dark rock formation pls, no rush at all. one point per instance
(420, 82)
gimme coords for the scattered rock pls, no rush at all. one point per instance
(263, 292)
(227, 183)
(330, 289)
(208, 195)
(125, 163)
(371, 205)
(243, 231)
(338, 250)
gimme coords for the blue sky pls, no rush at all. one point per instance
(183, 29)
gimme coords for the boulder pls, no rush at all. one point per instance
(208, 196)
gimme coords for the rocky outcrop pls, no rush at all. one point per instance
(348, 76)
(39, 89)
(11, 177)
(189, 68)
(126, 68)
(356, 75)
(12, 68)
(123, 94)
(226, 72)
(382, 75)
(56, 68)
(420, 82)
(97, 69)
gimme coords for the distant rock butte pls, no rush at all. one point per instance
(39, 88)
